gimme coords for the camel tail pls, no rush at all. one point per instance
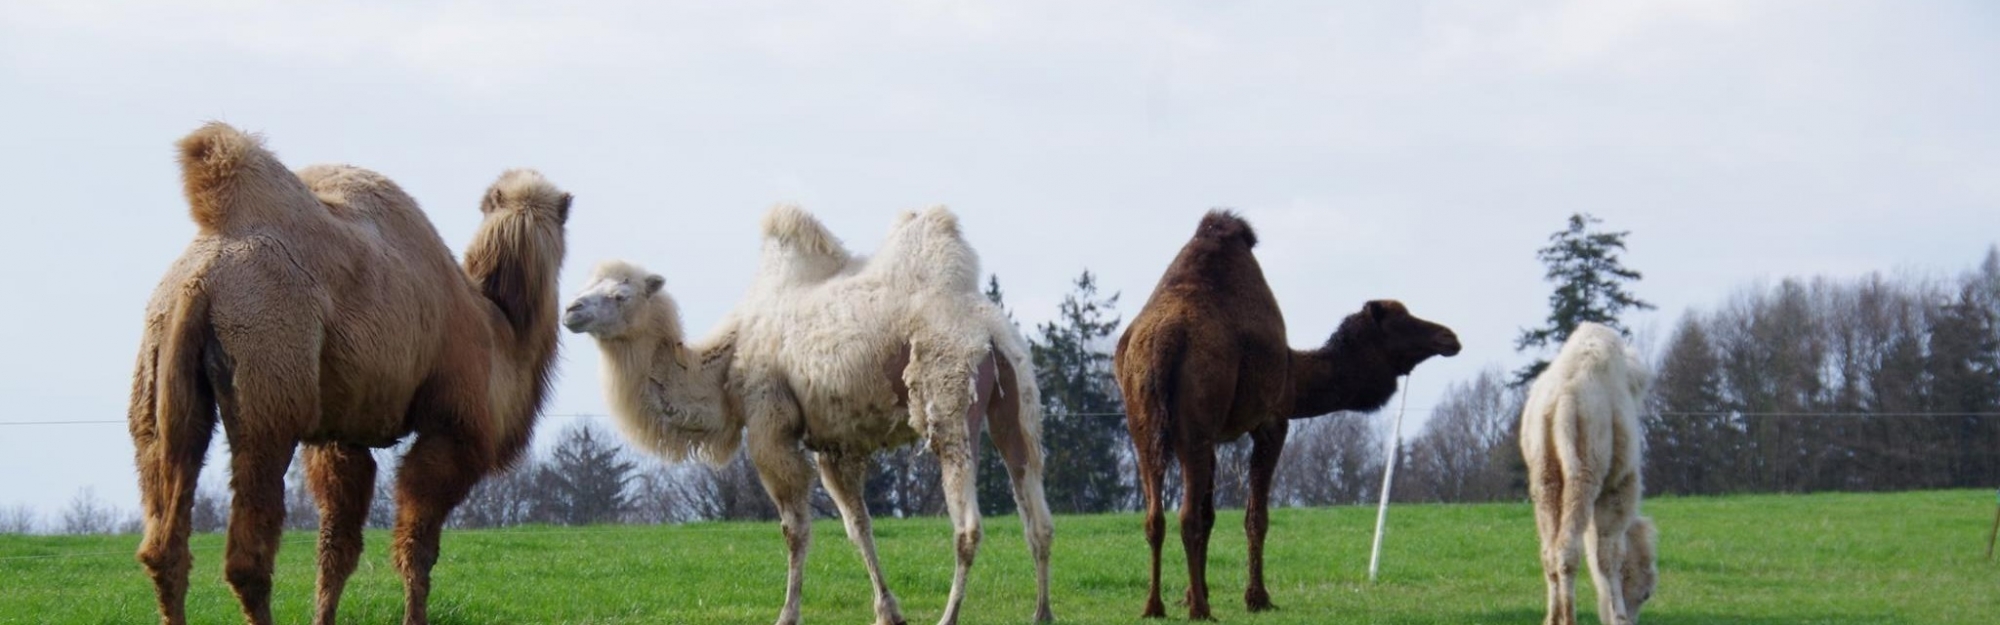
(223, 171)
(173, 405)
(1153, 393)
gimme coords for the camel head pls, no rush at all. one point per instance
(1641, 571)
(1404, 340)
(620, 300)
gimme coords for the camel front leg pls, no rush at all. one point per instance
(787, 477)
(1605, 548)
(1268, 442)
(845, 476)
(437, 473)
(343, 481)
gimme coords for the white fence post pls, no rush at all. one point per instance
(1388, 477)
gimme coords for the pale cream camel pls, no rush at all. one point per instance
(1581, 439)
(841, 357)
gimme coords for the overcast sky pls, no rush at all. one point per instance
(1411, 150)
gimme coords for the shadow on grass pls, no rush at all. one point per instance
(1672, 618)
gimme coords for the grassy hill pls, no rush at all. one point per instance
(1835, 559)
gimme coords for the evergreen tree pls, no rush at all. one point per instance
(584, 480)
(1080, 398)
(1590, 286)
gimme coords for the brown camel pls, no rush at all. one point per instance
(1206, 362)
(322, 308)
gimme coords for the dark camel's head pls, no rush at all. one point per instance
(1404, 339)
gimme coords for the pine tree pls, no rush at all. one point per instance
(1590, 286)
(584, 480)
(1080, 399)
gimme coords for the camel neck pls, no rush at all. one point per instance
(513, 264)
(1334, 378)
(669, 395)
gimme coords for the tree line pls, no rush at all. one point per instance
(1871, 383)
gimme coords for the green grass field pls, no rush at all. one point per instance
(1836, 559)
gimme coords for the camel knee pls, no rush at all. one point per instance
(250, 579)
(968, 544)
(161, 559)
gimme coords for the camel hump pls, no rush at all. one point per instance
(224, 171)
(1224, 225)
(523, 189)
(795, 229)
(928, 246)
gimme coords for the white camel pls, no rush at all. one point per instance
(1581, 439)
(839, 356)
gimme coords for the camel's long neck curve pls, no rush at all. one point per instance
(1339, 377)
(513, 262)
(668, 395)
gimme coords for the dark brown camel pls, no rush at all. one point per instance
(1206, 362)
(322, 308)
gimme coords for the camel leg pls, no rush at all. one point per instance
(169, 468)
(1546, 493)
(437, 473)
(256, 520)
(1023, 456)
(956, 460)
(1152, 482)
(1573, 521)
(343, 481)
(787, 477)
(1197, 520)
(1267, 443)
(845, 475)
(1604, 544)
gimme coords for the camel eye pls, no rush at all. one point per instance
(620, 297)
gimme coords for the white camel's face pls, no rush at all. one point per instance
(607, 305)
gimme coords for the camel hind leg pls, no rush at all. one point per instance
(942, 386)
(845, 475)
(1580, 486)
(267, 396)
(343, 481)
(1022, 453)
(169, 449)
(1605, 544)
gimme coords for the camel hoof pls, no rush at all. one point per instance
(1043, 615)
(1257, 600)
(1154, 609)
(1201, 614)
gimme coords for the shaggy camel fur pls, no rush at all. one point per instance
(841, 357)
(1206, 361)
(322, 308)
(1581, 439)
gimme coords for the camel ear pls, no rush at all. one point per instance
(491, 201)
(1376, 311)
(562, 208)
(653, 284)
